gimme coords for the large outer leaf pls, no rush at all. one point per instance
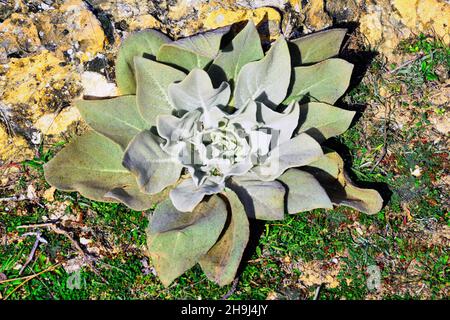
(323, 121)
(299, 151)
(304, 192)
(319, 46)
(266, 80)
(196, 91)
(153, 79)
(177, 240)
(244, 48)
(222, 260)
(154, 169)
(139, 44)
(192, 52)
(329, 171)
(263, 200)
(116, 118)
(325, 81)
(91, 165)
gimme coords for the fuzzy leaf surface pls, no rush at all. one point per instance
(116, 118)
(145, 43)
(325, 81)
(320, 45)
(153, 80)
(177, 240)
(91, 165)
(221, 262)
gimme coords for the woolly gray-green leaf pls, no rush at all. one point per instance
(320, 45)
(285, 122)
(177, 240)
(173, 129)
(329, 171)
(192, 52)
(299, 151)
(266, 80)
(263, 200)
(186, 196)
(91, 165)
(323, 121)
(304, 192)
(145, 43)
(325, 81)
(116, 118)
(153, 79)
(244, 48)
(221, 262)
(196, 91)
(153, 168)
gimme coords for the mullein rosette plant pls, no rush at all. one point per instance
(214, 135)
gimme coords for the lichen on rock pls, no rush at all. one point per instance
(18, 34)
(40, 82)
(72, 30)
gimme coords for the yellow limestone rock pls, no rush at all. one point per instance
(142, 22)
(181, 9)
(33, 82)
(386, 22)
(371, 26)
(18, 33)
(435, 15)
(223, 17)
(220, 17)
(13, 149)
(408, 11)
(73, 29)
(316, 16)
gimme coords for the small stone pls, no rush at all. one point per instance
(56, 123)
(36, 138)
(272, 296)
(316, 16)
(31, 192)
(85, 241)
(73, 265)
(3, 55)
(95, 84)
(49, 194)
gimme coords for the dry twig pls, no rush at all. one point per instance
(232, 289)
(51, 268)
(57, 228)
(39, 239)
